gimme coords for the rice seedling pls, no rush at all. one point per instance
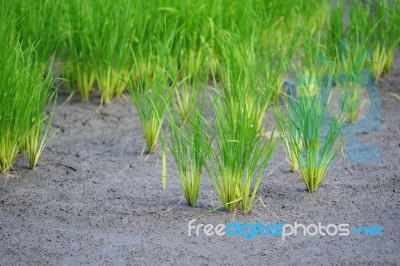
(23, 97)
(239, 152)
(382, 59)
(35, 138)
(318, 20)
(372, 26)
(272, 77)
(192, 75)
(352, 64)
(316, 148)
(290, 138)
(351, 103)
(187, 147)
(151, 94)
(241, 77)
(97, 37)
(186, 97)
(239, 157)
(111, 47)
(336, 31)
(36, 24)
(78, 68)
(385, 37)
(187, 90)
(307, 85)
(364, 32)
(13, 116)
(351, 60)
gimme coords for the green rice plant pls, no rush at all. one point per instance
(186, 92)
(111, 46)
(351, 102)
(241, 77)
(192, 75)
(97, 37)
(239, 152)
(385, 36)
(319, 20)
(336, 30)
(352, 64)
(307, 85)
(187, 147)
(238, 157)
(373, 25)
(35, 138)
(316, 148)
(192, 63)
(111, 83)
(36, 24)
(314, 59)
(351, 59)
(273, 78)
(379, 60)
(13, 89)
(186, 97)
(23, 95)
(290, 138)
(78, 68)
(151, 94)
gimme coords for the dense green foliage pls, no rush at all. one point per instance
(236, 56)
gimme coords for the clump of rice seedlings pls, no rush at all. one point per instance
(385, 37)
(111, 83)
(97, 37)
(351, 102)
(316, 148)
(373, 25)
(317, 22)
(150, 91)
(241, 77)
(78, 67)
(239, 152)
(14, 89)
(351, 59)
(36, 24)
(192, 74)
(238, 156)
(186, 96)
(111, 46)
(187, 147)
(306, 85)
(364, 32)
(35, 138)
(23, 97)
(381, 60)
(193, 64)
(13, 119)
(273, 78)
(336, 30)
(352, 63)
(290, 139)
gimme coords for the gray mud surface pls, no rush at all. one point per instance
(96, 199)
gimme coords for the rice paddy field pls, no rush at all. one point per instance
(199, 132)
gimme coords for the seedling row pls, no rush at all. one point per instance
(207, 70)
